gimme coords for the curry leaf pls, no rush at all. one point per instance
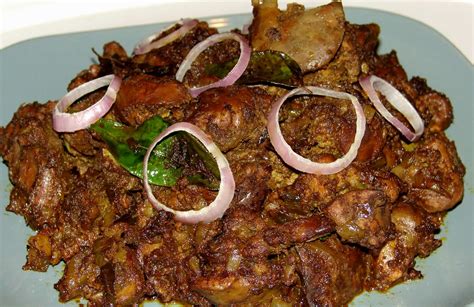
(204, 155)
(264, 66)
(129, 145)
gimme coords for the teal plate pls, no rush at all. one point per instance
(40, 69)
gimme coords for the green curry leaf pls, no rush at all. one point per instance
(129, 145)
(208, 160)
(264, 66)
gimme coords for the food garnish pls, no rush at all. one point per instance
(128, 146)
(297, 161)
(371, 84)
(151, 42)
(223, 199)
(232, 76)
(267, 66)
(70, 122)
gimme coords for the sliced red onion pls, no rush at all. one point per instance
(300, 163)
(233, 75)
(222, 201)
(149, 43)
(70, 122)
(246, 28)
(371, 84)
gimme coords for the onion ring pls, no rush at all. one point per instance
(222, 201)
(70, 122)
(371, 84)
(147, 44)
(232, 76)
(300, 163)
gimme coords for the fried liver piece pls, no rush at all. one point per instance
(232, 115)
(38, 165)
(433, 173)
(361, 217)
(311, 37)
(332, 273)
(143, 96)
(414, 231)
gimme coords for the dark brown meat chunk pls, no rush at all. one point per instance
(299, 231)
(40, 252)
(81, 143)
(373, 141)
(184, 196)
(434, 107)
(238, 268)
(315, 126)
(332, 273)
(121, 275)
(143, 96)
(251, 171)
(37, 169)
(232, 115)
(110, 268)
(433, 173)
(361, 217)
(173, 54)
(114, 50)
(310, 192)
(353, 57)
(311, 37)
(80, 278)
(170, 264)
(414, 235)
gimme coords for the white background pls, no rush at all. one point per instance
(24, 19)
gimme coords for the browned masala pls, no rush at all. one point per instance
(288, 237)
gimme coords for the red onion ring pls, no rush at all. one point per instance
(222, 201)
(233, 75)
(300, 163)
(371, 84)
(70, 122)
(246, 28)
(148, 43)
